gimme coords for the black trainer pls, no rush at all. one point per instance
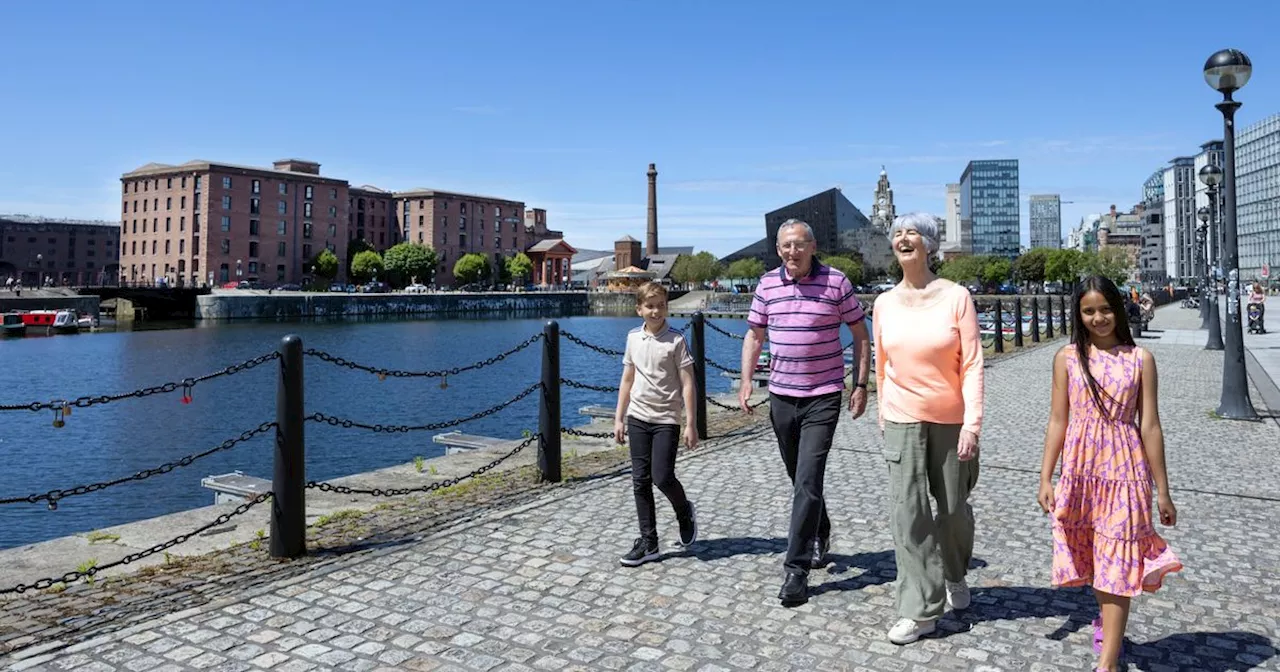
(642, 552)
(821, 547)
(689, 527)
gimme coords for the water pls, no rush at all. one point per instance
(124, 437)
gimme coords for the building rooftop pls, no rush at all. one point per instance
(153, 169)
(33, 219)
(422, 192)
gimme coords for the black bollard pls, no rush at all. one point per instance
(288, 500)
(1062, 309)
(1017, 320)
(999, 338)
(698, 350)
(1035, 321)
(549, 405)
(1048, 322)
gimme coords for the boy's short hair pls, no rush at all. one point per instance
(650, 290)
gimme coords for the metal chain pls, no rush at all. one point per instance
(591, 435)
(719, 330)
(393, 492)
(602, 350)
(69, 577)
(54, 495)
(440, 373)
(717, 365)
(393, 429)
(186, 384)
(727, 407)
(583, 386)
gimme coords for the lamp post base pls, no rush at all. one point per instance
(1215, 324)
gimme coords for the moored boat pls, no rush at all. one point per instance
(13, 325)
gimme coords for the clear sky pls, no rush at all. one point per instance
(744, 105)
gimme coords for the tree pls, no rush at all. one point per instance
(1029, 268)
(746, 268)
(962, 270)
(696, 269)
(326, 264)
(995, 271)
(1064, 266)
(1110, 262)
(471, 268)
(354, 248)
(520, 267)
(851, 268)
(409, 262)
(365, 266)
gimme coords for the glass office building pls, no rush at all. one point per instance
(1046, 221)
(990, 206)
(1258, 197)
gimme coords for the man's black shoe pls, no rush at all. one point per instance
(795, 590)
(689, 526)
(642, 552)
(820, 549)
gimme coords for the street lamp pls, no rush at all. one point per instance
(39, 271)
(1228, 71)
(1202, 264)
(1208, 294)
(238, 271)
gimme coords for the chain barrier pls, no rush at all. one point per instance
(394, 429)
(578, 341)
(584, 386)
(722, 331)
(394, 492)
(70, 577)
(590, 435)
(717, 365)
(62, 407)
(54, 495)
(728, 407)
(383, 373)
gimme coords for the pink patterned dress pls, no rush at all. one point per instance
(1102, 530)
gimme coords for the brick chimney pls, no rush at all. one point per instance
(651, 233)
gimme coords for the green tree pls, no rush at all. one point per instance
(1110, 262)
(1029, 268)
(746, 268)
(850, 267)
(995, 271)
(696, 269)
(326, 264)
(520, 267)
(1064, 266)
(962, 270)
(471, 268)
(365, 266)
(409, 262)
(354, 248)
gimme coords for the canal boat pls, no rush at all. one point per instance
(53, 321)
(13, 325)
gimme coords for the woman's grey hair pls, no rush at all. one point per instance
(808, 230)
(922, 223)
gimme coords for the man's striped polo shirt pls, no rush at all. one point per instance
(804, 318)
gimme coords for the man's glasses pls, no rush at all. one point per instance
(792, 247)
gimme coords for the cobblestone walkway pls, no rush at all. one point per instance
(539, 587)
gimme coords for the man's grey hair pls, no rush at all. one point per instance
(808, 230)
(921, 222)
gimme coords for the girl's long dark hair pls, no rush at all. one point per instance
(1080, 333)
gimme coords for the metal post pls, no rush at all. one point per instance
(549, 405)
(1048, 316)
(288, 487)
(698, 347)
(1062, 308)
(999, 328)
(1035, 321)
(1017, 321)
(1209, 297)
(1235, 379)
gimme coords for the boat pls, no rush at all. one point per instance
(53, 321)
(87, 322)
(13, 325)
(66, 322)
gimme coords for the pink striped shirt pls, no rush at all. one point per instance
(803, 318)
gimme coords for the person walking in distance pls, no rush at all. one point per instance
(929, 387)
(1104, 423)
(657, 383)
(801, 308)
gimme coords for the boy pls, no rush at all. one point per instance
(657, 380)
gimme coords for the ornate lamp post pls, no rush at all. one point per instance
(39, 271)
(1228, 71)
(1208, 295)
(1202, 264)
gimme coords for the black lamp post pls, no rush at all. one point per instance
(1202, 264)
(1228, 71)
(1209, 295)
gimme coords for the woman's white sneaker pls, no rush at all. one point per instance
(958, 595)
(908, 630)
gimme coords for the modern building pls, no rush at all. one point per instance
(40, 250)
(1046, 221)
(829, 213)
(990, 206)
(1180, 219)
(1151, 267)
(1258, 198)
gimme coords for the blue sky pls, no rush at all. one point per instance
(744, 105)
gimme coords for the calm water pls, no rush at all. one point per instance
(121, 438)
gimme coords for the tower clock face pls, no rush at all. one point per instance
(882, 200)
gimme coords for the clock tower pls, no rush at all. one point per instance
(882, 209)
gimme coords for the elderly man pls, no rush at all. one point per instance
(803, 306)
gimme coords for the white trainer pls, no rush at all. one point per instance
(958, 595)
(908, 630)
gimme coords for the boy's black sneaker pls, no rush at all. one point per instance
(689, 526)
(642, 552)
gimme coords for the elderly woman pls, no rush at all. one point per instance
(929, 386)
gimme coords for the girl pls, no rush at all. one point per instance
(1105, 425)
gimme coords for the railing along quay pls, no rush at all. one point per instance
(289, 483)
